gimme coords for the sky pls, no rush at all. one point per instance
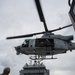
(19, 17)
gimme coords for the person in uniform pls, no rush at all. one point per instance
(6, 71)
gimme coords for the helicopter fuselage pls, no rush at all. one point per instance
(46, 46)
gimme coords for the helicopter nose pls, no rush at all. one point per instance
(17, 48)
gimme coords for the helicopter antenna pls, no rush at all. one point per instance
(41, 16)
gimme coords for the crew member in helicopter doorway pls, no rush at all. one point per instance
(6, 71)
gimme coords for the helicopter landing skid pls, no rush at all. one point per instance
(37, 59)
(40, 58)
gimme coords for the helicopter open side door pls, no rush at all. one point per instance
(72, 13)
(44, 42)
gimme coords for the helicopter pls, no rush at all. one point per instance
(48, 44)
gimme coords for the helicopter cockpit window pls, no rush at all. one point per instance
(44, 42)
(25, 43)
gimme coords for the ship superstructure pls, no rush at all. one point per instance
(34, 69)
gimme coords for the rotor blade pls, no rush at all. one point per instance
(23, 36)
(60, 28)
(39, 9)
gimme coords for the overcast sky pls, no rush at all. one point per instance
(21, 17)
